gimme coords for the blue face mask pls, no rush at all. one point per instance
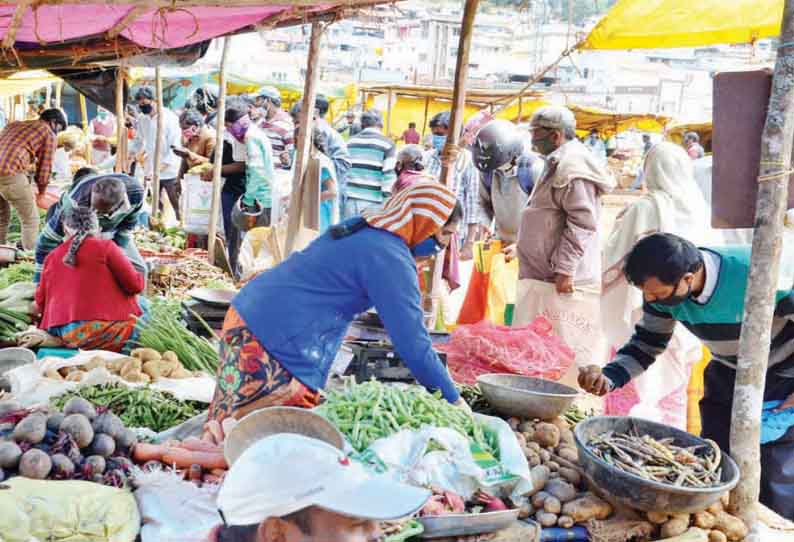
(428, 247)
(439, 141)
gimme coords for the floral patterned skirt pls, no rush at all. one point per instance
(249, 378)
(97, 335)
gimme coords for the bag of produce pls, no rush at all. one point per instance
(198, 203)
(41, 510)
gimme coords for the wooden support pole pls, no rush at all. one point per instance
(304, 137)
(125, 21)
(389, 106)
(427, 111)
(215, 208)
(459, 91)
(16, 22)
(520, 108)
(450, 149)
(84, 113)
(121, 129)
(58, 92)
(48, 96)
(759, 301)
(158, 151)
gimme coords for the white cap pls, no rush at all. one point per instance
(285, 473)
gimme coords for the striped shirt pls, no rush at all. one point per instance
(716, 319)
(281, 132)
(24, 143)
(465, 184)
(373, 157)
(118, 227)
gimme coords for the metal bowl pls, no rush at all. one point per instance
(636, 492)
(526, 397)
(454, 525)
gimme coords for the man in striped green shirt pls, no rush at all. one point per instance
(373, 157)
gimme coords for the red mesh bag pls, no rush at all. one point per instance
(482, 348)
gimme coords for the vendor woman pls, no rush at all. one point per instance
(87, 292)
(285, 327)
(704, 290)
(117, 200)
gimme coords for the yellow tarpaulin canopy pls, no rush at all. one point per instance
(658, 24)
(675, 131)
(25, 82)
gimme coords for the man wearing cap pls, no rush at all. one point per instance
(558, 243)
(277, 125)
(372, 158)
(290, 487)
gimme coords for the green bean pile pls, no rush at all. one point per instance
(137, 407)
(367, 412)
(163, 330)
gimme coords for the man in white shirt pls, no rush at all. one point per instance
(144, 144)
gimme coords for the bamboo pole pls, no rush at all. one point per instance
(459, 92)
(389, 106)
(121, 131)
(158, 151)
(216, 167)
(58, 92)
(304, 137)
(48, 96)
(427, 111)
(16, 22)
(520, 108)
(759, 301)
(83, 113)
(450, 149)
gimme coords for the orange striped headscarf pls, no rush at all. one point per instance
(415, 213)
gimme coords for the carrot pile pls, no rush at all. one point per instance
(198, 461)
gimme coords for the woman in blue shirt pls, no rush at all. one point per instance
(285, 327)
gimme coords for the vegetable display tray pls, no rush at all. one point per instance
(467, 524)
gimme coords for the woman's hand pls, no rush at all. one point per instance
(510, 252)
(788, 403)
(461, 404)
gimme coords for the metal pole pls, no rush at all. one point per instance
(759, 301)
(304, 137)
(158, 152)
(216, 168)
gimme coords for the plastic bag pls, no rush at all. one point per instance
(502, 285)
(174, 510)
(30, 387)
(531, 350)
(44, 510)
(404, 458)
(198, 204)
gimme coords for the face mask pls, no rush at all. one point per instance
(190, 133)
(673, 300)
(544, 146)
(239, 128)
(439, 141)
(102, 114)
(146, 109)
(428, 247)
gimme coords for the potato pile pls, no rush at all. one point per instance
(558, 497)
(715, 524)
(76, 444)
(144, 365)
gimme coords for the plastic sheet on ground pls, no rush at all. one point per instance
(44, 510)
(30, 387)
(174, 510)
(531, 350)
(404, 458)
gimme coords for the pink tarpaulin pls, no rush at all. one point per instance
(163, 28)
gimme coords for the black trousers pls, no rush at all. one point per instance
(777, 458)
(173, 189)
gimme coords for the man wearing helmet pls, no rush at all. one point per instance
(464, 180)
(508, 173)
(558, 243)
(277, 125)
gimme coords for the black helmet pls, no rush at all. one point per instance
(204, 99)
(440, 119)
(498, 143)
